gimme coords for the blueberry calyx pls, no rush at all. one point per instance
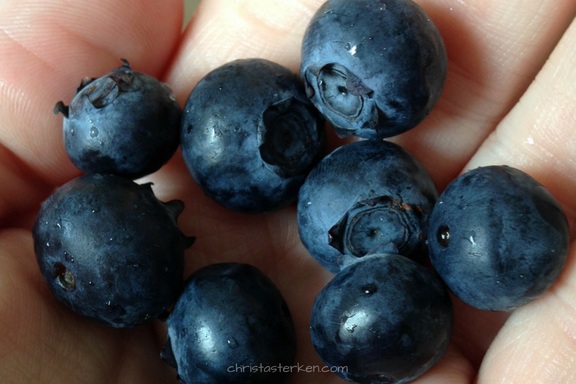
(365, 228)
(175, 208)
(62, 108)
(338, 92)
(118, 81)
(286, 135)
(125, 65)
(85, 81)
(64, 277)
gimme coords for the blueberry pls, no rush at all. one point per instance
(382, 320)
(365, 197)
(374, 68)
(498, 238)
(250, 136)
(125, 123)
(110, 250)
(231, 325)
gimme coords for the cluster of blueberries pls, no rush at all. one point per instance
(253, 137)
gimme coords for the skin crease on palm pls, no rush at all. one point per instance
(510, 98)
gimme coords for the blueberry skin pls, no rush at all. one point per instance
(125, 123)
(250, 136)
(230, 326)
(365, 197)
(374, 68)
(498, 238)
(110, 250)
(384, 319)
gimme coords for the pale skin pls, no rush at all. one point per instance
(510, 98)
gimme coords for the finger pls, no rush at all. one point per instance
(46, 49)
(223, 30)
(538, 135)
(495, 49)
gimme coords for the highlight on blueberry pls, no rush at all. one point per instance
(498, 238)
(125, 123)
(374, 68)
(110, 250)
(250, 136)
(385, 319)
(370, 196)
(230, 325)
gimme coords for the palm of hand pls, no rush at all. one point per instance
(492, 111)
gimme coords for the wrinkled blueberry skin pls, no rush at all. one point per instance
(374, 68)
(230, 326)
(385, 318)
(110, 250)
(365, 197)
(498, 238)
(250, 136)
(125, 123)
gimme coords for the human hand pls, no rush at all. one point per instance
(510, 98)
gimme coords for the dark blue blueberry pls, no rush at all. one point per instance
(382, 320)
(365, 197)
(110, 250)
(498, 238)
(374, 68)
(125, 123)
(230, 326)
(250, 136)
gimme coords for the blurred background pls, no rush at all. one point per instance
(189, 8)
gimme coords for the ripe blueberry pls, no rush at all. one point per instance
(384, 319)
(230, 325)
(374, 68)
(110, 250)
(498, 238)
(366, 197)
(125, 123)
(250, 136)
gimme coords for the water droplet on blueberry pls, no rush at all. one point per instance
(68, 257)
(232, 343)
(443, 236)
(369, 289)
(94, 132)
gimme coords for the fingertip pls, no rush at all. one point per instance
(221, 31)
